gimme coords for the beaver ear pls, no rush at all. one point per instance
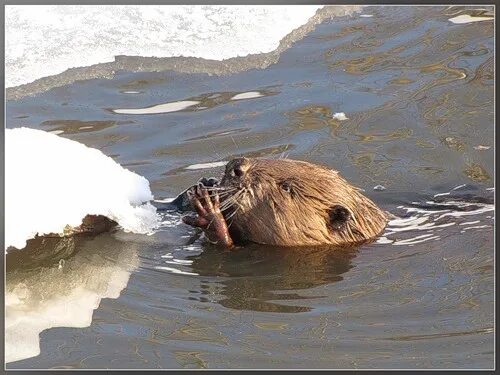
(338, 216)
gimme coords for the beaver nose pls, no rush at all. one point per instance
(237, 167)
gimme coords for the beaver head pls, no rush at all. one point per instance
(292, 203)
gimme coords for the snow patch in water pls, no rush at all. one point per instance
(340, 116)
(247, 95)
(215, 164)
(51, 182)
(465, 18)
(160, 108)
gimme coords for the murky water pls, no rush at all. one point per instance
(417, 91)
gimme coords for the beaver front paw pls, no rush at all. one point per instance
(209, 216)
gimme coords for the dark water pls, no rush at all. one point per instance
(418, 93)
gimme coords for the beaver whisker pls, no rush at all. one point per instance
(221, 193)
(235, 144)
(238, 191)
(231, 216)
(219, 188)
(225, 198)
(231, 200)
(238, 206)
(224, 192)
(284, 155)
(235, 204)
(218, 157)
(228, 203)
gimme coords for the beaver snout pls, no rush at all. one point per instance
(237, 168)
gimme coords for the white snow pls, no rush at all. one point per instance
(160, 108)
(340, 116)
(247, 95)
(44, 40)
(51, 182)
(214, 164)
(465, 18)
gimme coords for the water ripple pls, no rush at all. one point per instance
(431, 216)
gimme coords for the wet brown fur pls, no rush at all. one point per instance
(269, 214)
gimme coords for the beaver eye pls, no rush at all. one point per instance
(286, 186)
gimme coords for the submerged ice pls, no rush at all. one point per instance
(52, 182)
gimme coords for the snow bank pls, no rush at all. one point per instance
(51, 182)
(44, 40)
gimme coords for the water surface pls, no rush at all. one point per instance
(417, 91)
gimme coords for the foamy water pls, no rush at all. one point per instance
(422, 224)
(46, 40)
(52, 182)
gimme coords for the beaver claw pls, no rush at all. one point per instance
(209, 217)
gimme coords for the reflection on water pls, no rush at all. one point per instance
(255, 277)
(313, 117)
(417, 93)
(77, 126)
(59, 282)
(476, 172)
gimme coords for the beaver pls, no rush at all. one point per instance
(283, 202)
